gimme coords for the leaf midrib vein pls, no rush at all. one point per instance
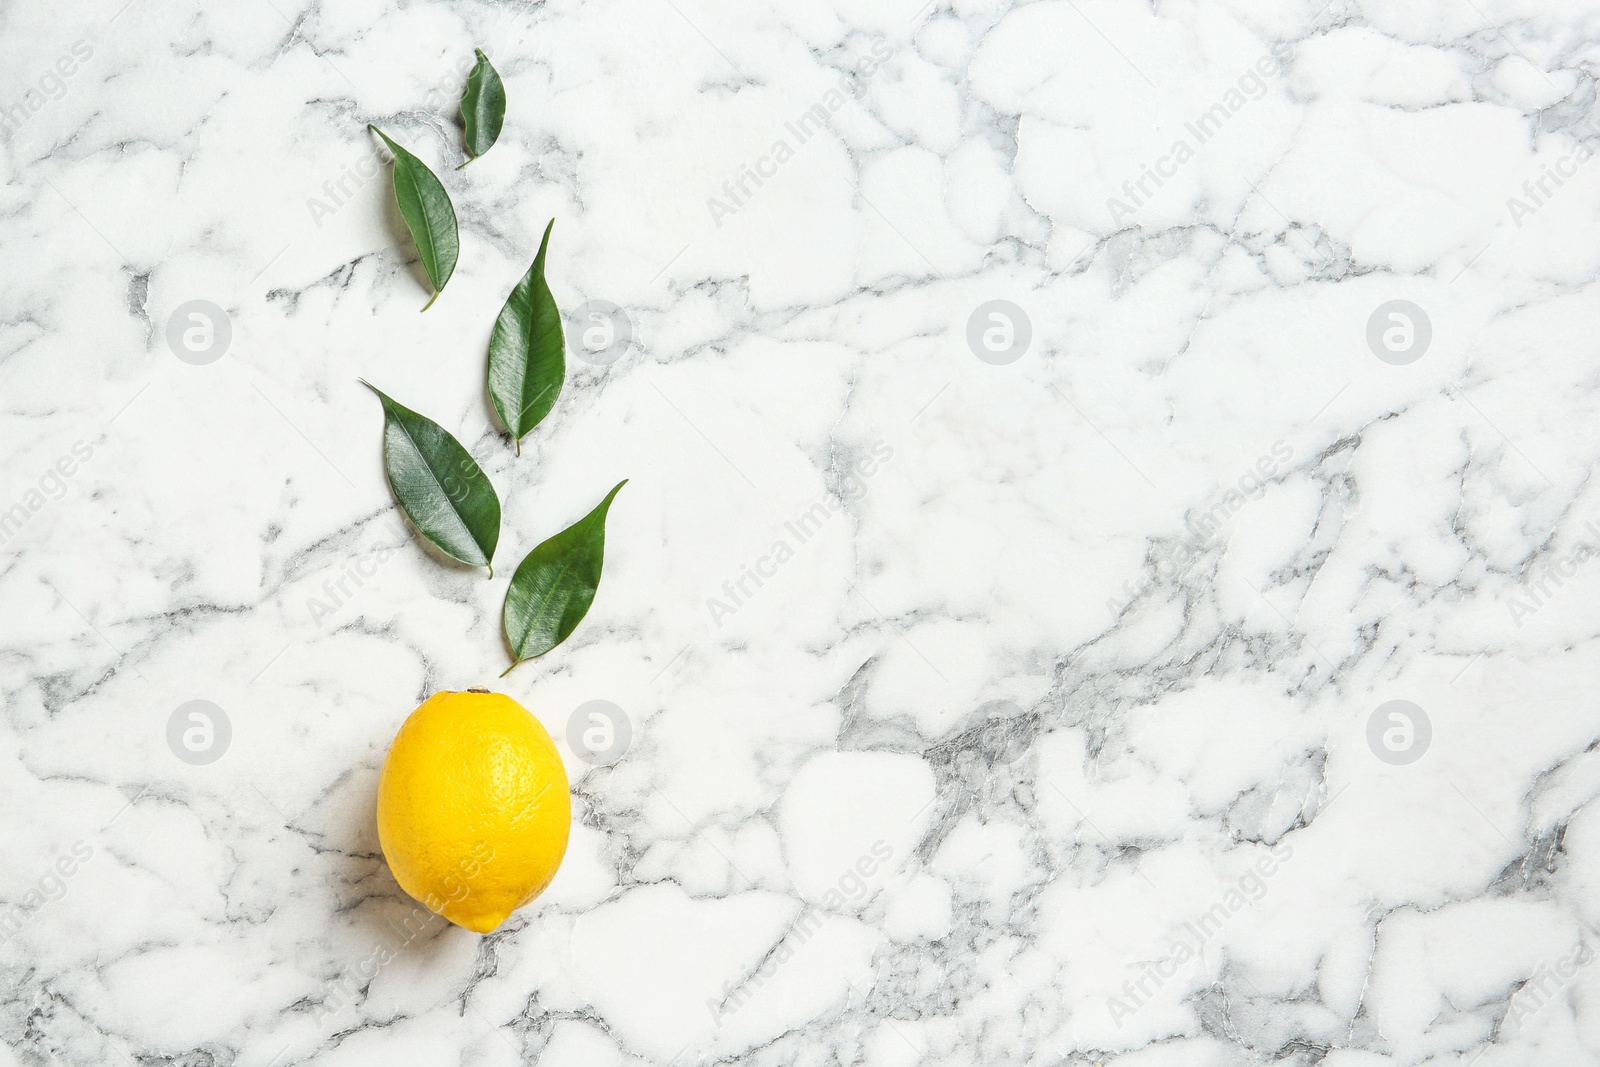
(555, 584)
(430, 254)
(473, 537)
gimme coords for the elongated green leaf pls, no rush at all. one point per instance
(527, 352)
(554, 586)
(483, 107)
(429, 215)
(439, 486)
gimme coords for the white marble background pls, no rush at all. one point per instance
(1179, 849)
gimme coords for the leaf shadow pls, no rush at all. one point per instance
(395, 920)
(394, 223)
(495, 421)
(400, 236)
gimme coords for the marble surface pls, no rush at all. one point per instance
(998, 690)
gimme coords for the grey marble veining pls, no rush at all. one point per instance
(1107, 572)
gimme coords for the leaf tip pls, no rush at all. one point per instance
(604, 507)
(544, 246)
(394, 149)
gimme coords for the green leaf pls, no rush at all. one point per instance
(527, 352)
(429, 215)
(554, 586)
(483, 107)
(439, 486)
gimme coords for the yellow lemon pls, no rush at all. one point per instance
(473, 807)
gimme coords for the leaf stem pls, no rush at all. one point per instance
(431, 299)
(491, 570)
(509, 669)
(469, 160)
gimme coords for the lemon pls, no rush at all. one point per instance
(473, 807)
